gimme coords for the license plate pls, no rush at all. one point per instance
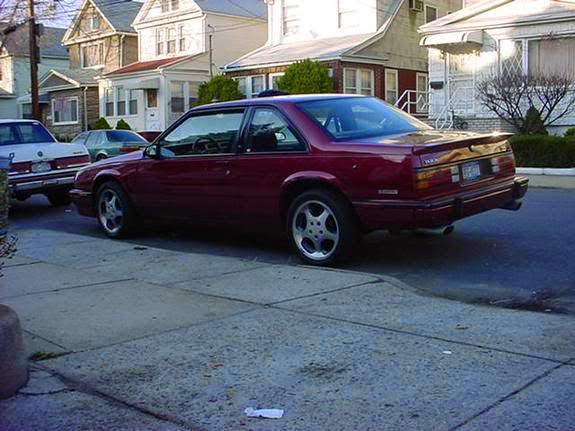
(471, 171)
(41, 167)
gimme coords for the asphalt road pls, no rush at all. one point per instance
(522, 259)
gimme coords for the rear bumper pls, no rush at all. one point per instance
(441, 212)
(83, 202)
(29, 184)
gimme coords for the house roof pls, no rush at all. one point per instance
(316, 49)
(120, 13)
(247, 8)
(502, 13)
(5, 94)
(50, 41)
(144, 66)
(79, 76)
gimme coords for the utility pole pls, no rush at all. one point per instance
(34, 60)
(211, 47)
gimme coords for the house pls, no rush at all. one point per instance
(100, 40)
(491, 37)
(370, 47)
(15, 67)
(181, 44)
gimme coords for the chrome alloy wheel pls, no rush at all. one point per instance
(110, 211)
(315, 230)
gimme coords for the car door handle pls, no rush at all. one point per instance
(225, 165)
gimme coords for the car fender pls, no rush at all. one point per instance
(316, 176)
(106, 175)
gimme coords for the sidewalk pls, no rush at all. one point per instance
(552, 181)
(147, 339)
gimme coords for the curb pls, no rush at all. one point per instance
(546, 171)
(13, 364)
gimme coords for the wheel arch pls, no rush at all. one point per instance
(300, 183)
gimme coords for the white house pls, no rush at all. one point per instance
(15, 68)
(491, 37)
(370, 46)
(178, 39)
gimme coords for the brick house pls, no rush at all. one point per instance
(370, 47)
(99, 40)
(177, 38)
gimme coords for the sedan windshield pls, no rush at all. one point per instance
(360, 117)
(24, 133)
(124, 136)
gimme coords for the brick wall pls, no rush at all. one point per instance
(482, 125)
(68, 131)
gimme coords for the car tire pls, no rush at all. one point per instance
(115, 211)
(60, 198)
(322, 227)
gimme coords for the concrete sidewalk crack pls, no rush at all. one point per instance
(428, 337)
(66, 349)
(87, 389)
(507, 397)
(99, 283)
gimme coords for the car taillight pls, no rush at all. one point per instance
(72, 162)
(20, 168)
(436, 177)
(503, 163)
(130, 148)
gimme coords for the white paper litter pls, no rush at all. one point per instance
(447, 352)
(264, 413)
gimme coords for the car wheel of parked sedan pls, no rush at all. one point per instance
(114, 210)
(60, 198)
(322, 227)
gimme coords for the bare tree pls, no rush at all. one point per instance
(510, 96)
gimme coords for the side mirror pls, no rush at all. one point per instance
(152, 151)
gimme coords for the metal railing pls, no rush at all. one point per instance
(414, 102)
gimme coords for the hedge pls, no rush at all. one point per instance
(541, 151)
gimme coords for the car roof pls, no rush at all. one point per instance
(276, 100)
(18, 120)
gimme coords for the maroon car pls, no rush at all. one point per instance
(326, 168)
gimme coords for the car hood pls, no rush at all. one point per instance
(41, 151)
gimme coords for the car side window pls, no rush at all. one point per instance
(204, 134)
(269, 132)
(93, 140)
(81, 138)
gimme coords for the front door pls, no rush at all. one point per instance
(152, 111)
(194, 178)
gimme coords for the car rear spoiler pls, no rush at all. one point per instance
(465, 142)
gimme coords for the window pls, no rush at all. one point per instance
(511, 57)
(92, 55)
(193, 88)
(160, 34)
(133, 102)
(430, 13)
(422, 93)
(24, 133)
(94, 23)
(391, 86)
(124, 136)
(175, 4)
(181, 39)
(291, 20)
(552, 57)
(94, 140)
(171, 46)
(109, 102)
(206, 134)
(120, 101)
(251, 86)
(177, 97)
(165, 5)
(347, 14)
(151, 98)
(358, 81)
(358, 118)
(80, 138)
(273, 80)
(65, 110)
(269, 132)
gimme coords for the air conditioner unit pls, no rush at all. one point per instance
(416, 5)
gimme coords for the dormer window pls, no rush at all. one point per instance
(291, 17)
(94, 22)
(169, 5)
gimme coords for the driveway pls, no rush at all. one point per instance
(167, 333)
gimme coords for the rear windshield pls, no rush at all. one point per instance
(360, 117)
(24, 133)
(124, 136)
